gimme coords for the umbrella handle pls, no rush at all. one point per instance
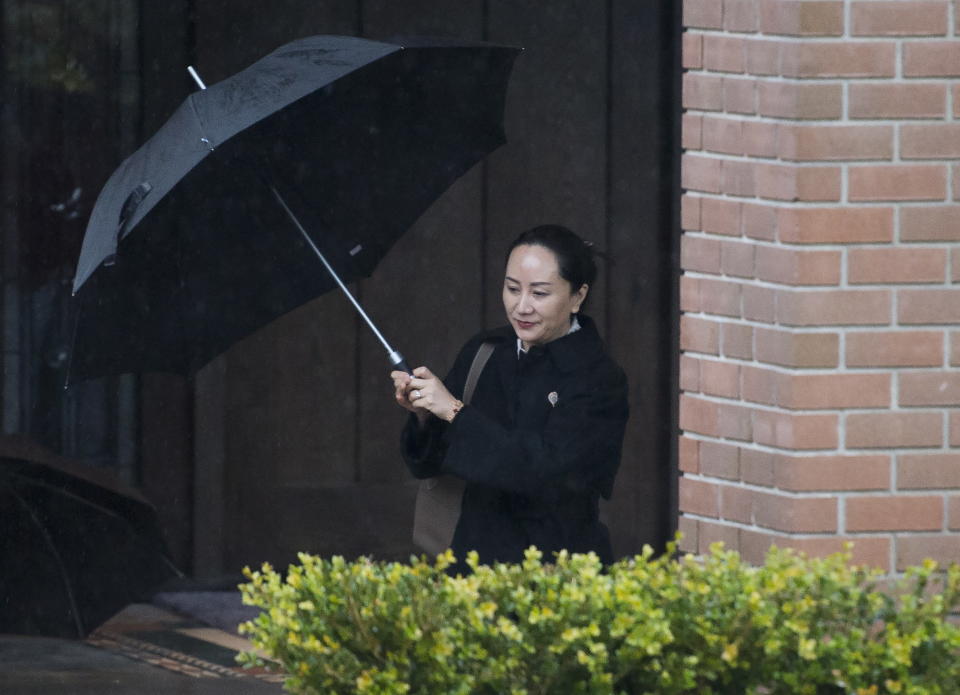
(399, 363)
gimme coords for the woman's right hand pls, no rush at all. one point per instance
(401, 389)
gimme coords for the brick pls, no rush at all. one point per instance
(720, 297)
(739, 95)
(930, 223)
(719, 460)
(689, 294)
(872, 551)
(763, 57)
(759, 303)
(756, 467)
(720, 216)
(956, 100)
(831, 473)
(898, 182)
(699, 335)
(688, 454)
(793, 183)
(934, 471)
(833, 307)
(690, 212)
(699, 253)
(720, 378)
(734, 422)
(759, 385)
(931, 59)
(913, 550)
(835, 225)
(736, 341)
(800, 101)
(723, 135)
(736, 258)
(928, 306)
(698, 415)
(933, 141)
(791, 266)
(700, 173)
(759, 221)
(929, 388)
(759, 139)
(722, 53)
(954, 428)
(953, 506)
(808, 18)
(736, 504)
(795, 514)
(829, 143)
(689, 533)
(789, 349)
(703, 14)
(711, 533)
(691, 131)
(894, 349)
(741, 16)
(955, 265)
(847, 59)
(737, 178)
(954, 349)
(894, 429)
(896, 265)
(698, 497)
(832, 391)
(703, 92)
(689, 374)
(903, 18)
(894, 513)
(795, 431)
(692, 50)
(898, 100)
(754, 545)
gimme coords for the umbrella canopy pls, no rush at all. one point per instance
(187, 249)
(74, 549)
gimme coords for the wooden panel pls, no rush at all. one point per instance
(554, 168)
(641, 239)
(426, 294)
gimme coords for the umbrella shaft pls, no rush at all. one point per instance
(395, 357)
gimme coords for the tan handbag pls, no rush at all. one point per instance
(437, 509)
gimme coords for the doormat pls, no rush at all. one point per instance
(150, 634)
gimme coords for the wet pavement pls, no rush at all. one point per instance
(145, 649)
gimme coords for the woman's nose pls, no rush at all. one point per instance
(524, 306)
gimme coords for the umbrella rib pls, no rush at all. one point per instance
(75, 610)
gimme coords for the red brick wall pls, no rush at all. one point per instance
(820, 335)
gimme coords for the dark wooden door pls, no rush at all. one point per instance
(295, 431)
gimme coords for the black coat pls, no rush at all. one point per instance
(534, 471)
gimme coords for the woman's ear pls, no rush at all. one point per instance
(579, 297)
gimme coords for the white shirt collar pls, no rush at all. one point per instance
(574, 327)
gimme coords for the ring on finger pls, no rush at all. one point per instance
(416, 394)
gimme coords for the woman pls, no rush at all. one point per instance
(540, 440)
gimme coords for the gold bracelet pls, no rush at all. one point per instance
(457, 405)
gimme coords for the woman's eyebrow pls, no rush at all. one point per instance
(543, 282)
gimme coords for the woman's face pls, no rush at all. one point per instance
(538, 301)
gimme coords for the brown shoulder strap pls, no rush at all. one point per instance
(479, 361)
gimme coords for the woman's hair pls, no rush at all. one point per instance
(574, 255)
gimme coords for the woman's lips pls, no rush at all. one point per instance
(526, 324)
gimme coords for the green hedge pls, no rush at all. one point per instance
(663, 625)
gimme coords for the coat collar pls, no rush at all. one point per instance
(567, 353)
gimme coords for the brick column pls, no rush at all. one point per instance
(820, 367)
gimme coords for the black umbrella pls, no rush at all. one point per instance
(348, 138)
(74, 548)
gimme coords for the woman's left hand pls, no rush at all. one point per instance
(427, 391)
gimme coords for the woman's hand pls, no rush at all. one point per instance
(423, 393)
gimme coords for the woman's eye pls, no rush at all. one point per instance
(512, 290)
(540, 294)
